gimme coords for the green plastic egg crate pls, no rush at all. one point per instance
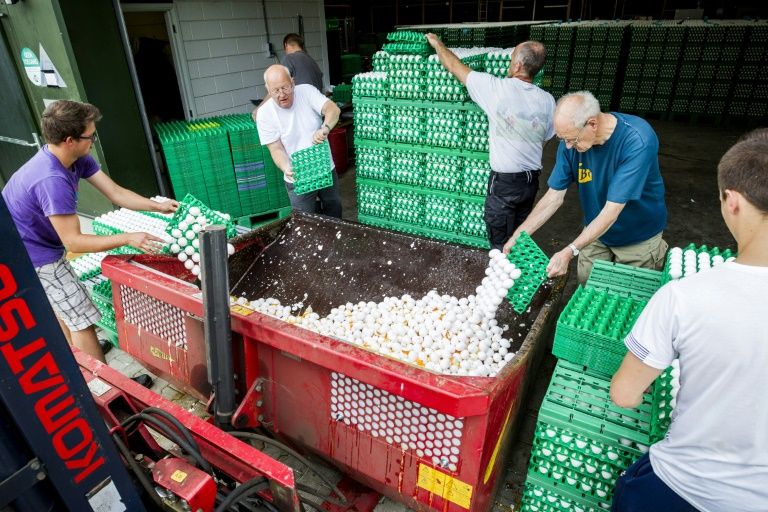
(592, 327)
(212, 216)
(312, 168)
(532, 262)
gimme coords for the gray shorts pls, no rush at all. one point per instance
(67, 295)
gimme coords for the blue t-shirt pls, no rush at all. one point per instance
(40, 188)
(623, 170)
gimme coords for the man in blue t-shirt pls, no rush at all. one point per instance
(613, 159)
(42, 200)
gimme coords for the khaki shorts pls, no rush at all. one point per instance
(67, 295)
(647, 254)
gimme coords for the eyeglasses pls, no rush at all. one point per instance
(93, 138)
(574, 141)
(281, 90)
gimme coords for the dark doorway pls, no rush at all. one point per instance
(152, 56)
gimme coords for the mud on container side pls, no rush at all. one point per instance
(433, 442)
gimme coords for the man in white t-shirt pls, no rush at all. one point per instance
(294, 118)
(520, 117)
(715, 455)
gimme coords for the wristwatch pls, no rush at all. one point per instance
(574, 249)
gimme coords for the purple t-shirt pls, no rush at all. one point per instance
(40, 188)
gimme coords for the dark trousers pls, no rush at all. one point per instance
(508, 203)
(640, 490)
(329, 203)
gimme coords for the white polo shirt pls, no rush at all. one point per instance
(293, 126)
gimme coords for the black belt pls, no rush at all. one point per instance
(528, 176)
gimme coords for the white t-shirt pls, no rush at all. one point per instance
(294, 126)
(715, 454)
(520, 117)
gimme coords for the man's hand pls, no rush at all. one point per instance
(558, 264)
(145, 242)
(510, 243)
(433, 40)
(168, 206)
(319, 136)
(289, 172)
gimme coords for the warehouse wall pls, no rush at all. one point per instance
(224, 41)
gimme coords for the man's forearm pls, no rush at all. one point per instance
(542, 212)
(133, 201)
(281, 159)
(331, 118)
(85, 243)
(599, 225)
(448, 59)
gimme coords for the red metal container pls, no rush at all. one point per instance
(430, 441)
(337, 138)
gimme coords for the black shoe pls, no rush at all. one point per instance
(106, 346)
(144, 380)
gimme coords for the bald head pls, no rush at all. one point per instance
(575, 109)
(276, 73)
(530, 55)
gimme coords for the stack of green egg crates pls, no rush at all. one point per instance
(421, 147)
(101, 294)
(651, 67)
(583, 441)
(312, 168)
(558, 41)
(595, 64)
(220, 161)
(750, 89)
(259, 182)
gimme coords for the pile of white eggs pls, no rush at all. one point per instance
(442, 333)
(686, 263)
(186, 244)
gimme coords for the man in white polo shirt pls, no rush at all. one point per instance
(520, 117)
(294, 118)
(715, 456)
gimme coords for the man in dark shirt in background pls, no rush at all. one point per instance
(304, 69)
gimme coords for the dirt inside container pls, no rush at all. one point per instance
(323, 262)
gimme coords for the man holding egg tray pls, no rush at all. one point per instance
(713, 326)
(292, 119)
(519, 123)
(614, 160)
(42, 199)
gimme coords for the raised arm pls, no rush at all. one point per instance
(448, 59)
(127, 198)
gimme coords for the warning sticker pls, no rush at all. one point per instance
(106, 499)
(445, 486)
(237, 308)
(178, 476)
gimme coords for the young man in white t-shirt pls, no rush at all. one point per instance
(520, 117)
(715, 455)
(294, 118)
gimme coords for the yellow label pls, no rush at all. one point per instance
(178, 476)
(585, 175)
(445, 486)
(160, 354)
(237, 308)
(492, 462)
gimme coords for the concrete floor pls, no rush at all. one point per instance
(688, 155)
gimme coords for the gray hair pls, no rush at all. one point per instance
(531, 55)
(266, 72)
(583, 106)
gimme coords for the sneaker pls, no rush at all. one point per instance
(143, 380)
(106, 346)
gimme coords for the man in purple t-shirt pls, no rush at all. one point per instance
(42, 199)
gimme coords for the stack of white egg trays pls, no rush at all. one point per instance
(692, 260)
